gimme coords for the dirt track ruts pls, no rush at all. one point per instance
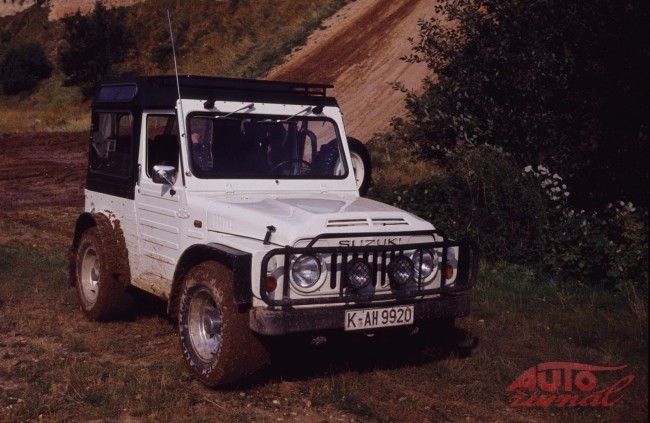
(358, 50)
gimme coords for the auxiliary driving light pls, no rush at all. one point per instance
(400, 270)
(359, 274)
(306, 271)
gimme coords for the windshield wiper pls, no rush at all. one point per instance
(246, 107)
(306, 109)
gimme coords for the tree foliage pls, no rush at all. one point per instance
(22, 67)
(93, 45)
(556, 82)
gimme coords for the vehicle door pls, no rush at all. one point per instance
(160, 206)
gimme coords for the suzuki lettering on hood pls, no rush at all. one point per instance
(369, 242)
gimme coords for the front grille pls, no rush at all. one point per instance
(336, 289)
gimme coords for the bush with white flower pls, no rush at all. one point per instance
(607, 247)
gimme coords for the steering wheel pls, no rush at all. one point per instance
(290, 161)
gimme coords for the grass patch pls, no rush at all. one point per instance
(55, 364)
(50, 107)
(25, 270)
(389, 153)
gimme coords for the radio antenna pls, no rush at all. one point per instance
(181, 119)
(178, 85)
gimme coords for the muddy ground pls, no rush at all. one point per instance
(42, 176)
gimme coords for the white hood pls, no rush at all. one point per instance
(303, 217)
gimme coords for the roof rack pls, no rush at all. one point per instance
(160, 91)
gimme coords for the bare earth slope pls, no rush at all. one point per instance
(359, 52)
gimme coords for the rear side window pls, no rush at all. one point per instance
(111, 149)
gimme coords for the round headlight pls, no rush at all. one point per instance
(306, 271)
(424, 263)
(400, 270)
(359, 274)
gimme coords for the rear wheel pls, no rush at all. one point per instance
(101, 295)
(215, 337)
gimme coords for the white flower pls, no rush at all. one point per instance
(528, 169)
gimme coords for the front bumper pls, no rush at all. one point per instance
(282, 322)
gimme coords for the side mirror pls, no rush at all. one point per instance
(164, 174)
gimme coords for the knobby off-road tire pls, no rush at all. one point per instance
(215, 337)
(101, 294)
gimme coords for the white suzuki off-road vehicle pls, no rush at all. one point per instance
(236, 201)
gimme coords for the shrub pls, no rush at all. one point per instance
(523, 216)
(22, 67)
(528, 76)
(483, 195)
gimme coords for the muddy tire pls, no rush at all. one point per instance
(215, 337)
(101, 294)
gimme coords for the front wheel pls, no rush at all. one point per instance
(215, 337)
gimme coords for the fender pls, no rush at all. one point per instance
(237, 260)
(112, 239)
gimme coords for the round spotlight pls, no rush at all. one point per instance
(424, 263)
(359, 273)
(400, 270)
(306, 271)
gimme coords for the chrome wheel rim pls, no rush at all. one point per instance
(205, 324)
(89, 276)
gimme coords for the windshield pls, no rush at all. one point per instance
(256, 146)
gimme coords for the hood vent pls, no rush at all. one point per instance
(344, 223)
(396, 221)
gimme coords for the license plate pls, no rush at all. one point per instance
(371, 318)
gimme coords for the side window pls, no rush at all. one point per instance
(111, 149)
(162, 142)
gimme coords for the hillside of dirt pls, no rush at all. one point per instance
(358, 50)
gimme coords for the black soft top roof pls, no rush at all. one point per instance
(151, 92)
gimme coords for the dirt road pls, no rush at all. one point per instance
(41, 178)
(358, 50)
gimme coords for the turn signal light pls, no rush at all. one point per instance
(271, 284)
(449, 271)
